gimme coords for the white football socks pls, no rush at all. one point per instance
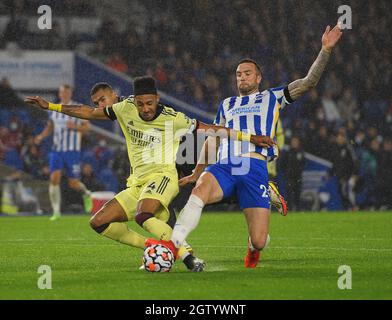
(55, 197)
(187, 220)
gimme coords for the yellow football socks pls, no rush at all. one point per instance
(119, 231)
(163, 231)
(158, 228)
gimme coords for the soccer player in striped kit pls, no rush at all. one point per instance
(66, 152)
(242, 167)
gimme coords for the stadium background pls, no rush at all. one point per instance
(344, 125)
(191, 47)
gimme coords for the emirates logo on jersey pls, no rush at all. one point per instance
(144, 139)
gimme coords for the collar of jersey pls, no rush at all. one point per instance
(252, 95)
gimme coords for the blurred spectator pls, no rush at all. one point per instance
(322, 144)
(292, 165)
(330, 108)
(309, 107)
(13, 137)
(8, 96)
(131, 48)
(54, 39)
(121, 166)
(384, 176)
(77, 7)
(3, 146)
(198, 98)
(98, 52)
(33, 161)
(161, 75)
(108, 33)
(116, 63)
(347, 106)
(15, 29)
(343, 165)
(89, 179)
(368, 170)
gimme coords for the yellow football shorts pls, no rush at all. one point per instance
(162, 187)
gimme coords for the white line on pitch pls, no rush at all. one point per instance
(229, 246)
(304, 248)
(274, 238)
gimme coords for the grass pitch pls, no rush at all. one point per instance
(302, 261)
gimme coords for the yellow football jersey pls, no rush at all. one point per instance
(272, 170)
(152, 145)
(280, 135)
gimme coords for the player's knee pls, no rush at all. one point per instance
(259, 242)
(94, 222)
(55, 177)
(202, 192)
(54, 181)
(97, 223)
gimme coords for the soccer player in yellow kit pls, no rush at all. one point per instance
(102, 95)
(152, 132)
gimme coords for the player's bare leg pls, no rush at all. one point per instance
(258, 226)
(77, 185)
(55, 194)
(208, 189)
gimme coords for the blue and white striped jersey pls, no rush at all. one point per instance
(65, 139)
(256, 114)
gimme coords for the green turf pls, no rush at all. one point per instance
(301, 263)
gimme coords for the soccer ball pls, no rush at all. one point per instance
(157, 258)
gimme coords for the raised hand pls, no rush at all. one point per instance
(38, 101)
(331, 37)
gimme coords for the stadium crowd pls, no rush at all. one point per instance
(346, 120)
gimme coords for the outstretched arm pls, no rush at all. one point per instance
(222, 132)
(77, 111)
(301, 86)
